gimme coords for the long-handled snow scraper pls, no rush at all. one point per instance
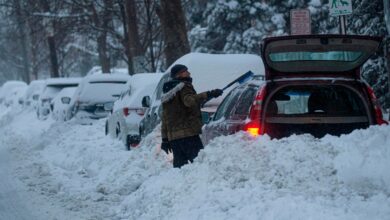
(243, 78)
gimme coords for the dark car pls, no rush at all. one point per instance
(312, 85)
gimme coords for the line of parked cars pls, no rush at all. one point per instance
(307, 84)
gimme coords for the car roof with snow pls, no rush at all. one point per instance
(140, 80)
(98, 70)
(8, 86)
(107, 77)
(13, 83)
(140, 85)
(212, 71)
(63, 81)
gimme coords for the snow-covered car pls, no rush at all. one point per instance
(123, 123)
(312, 85)
(209, 71)
(34, 90)
(52, 87)
(61, 109)
(7, 89)
(95, 97)
(15, 97)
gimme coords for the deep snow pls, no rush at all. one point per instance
(83, 173)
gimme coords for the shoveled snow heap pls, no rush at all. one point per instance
(234, 177)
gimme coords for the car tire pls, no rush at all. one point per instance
(117, 131)
(128, 143)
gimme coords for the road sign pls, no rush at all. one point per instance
(300, 21)
(340, 7)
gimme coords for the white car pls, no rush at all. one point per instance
(8, 87)
(52, 87)
(61, 109)
(127, 113)
(95, 96)
(14, 98)
(34, 90)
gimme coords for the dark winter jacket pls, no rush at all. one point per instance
(181, 115)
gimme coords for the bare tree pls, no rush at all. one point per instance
(50, 25)
(174, 29)
(135, 51)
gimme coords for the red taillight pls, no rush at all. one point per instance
(378, 111)
(140, 111)
(126, 111)
(253, 126)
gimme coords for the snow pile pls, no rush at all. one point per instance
(234, 177)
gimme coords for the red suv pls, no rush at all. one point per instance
(312, 85)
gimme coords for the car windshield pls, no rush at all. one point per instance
(343, 56)
(102, 90)
(51, 92)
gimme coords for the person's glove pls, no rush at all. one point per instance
(214, 93)
(165, 145)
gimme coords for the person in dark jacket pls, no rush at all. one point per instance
(181, 121)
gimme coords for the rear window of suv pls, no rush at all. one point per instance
(344, 56)
(330, 100)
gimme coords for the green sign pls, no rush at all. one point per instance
(340, 7)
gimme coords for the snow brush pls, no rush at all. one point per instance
(243, 78)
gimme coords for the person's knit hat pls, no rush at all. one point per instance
(176, 69)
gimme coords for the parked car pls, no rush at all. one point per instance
(312, 85)
(95, 96)
(127, 113)
(61, 109)
(209, 71)
(8, 87)
(34, 90)
(52, 87)
(15, 97)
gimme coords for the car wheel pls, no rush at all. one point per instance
(128, 142)
(117, 131)
(106, 128)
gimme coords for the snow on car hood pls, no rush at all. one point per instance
(234, 177)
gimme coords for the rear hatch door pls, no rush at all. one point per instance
(317, 55)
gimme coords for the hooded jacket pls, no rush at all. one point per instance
(181, 115)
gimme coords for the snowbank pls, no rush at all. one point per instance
(234, 177)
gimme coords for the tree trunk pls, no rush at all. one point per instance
(102, 51)
(174, 29)
(23, 42)
(53, 57)
(102, 23)
(51, 41)
(136, 52)
(125, 41)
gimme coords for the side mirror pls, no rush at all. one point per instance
(146, 102)
(65, 100)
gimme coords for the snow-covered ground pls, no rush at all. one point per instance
(83, 174)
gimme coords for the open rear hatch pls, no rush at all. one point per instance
(317, 55)
(315, 109)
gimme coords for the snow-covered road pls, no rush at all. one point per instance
(12, 195)
(76, 172)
